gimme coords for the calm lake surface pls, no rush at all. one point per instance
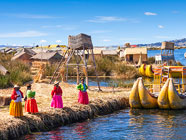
(125, 124)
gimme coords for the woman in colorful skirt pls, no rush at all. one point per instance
(56, 94)
(83, 96)
(30, 103)
(16, 102)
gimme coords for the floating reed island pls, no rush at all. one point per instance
(101, 103)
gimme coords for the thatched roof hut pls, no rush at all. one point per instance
(133, 54)
(50, 57)
(24, 55)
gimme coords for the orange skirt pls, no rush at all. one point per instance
(31, 106)
(16, 109)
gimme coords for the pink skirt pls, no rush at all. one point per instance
(57, 101)
(83, 97)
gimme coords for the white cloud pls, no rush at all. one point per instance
(58, 41)
(42, 41)
(22, 34)
(160, 26)
(31, 16)
(150, 14)
(103, 19)
(106, 40)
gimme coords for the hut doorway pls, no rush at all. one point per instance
(131, 58)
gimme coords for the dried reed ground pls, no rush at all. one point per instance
(100, 103)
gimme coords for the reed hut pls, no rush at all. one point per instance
(109, 53)
(133, 54)
(24, 55)
(46, 57)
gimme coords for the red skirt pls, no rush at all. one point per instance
(83, 97)
(31, 106)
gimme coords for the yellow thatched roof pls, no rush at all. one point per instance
(135, 51)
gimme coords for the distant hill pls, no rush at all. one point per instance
(178, 42)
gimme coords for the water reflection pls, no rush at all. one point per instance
(125, 124)
(82, 130)
(159, 124)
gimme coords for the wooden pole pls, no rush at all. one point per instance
(95, 69)
(85, 63)
(77, 67)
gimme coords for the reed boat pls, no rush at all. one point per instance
(140, 97)
(148, 71)
(142, 69)
(176, 100)
(147, 99)
(163, 101)
(134, 99)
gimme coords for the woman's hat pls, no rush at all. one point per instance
(56, 82)
(16, 86)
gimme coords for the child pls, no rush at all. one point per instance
(16, 102)
(30, 103)
(56, 94)
(83, 96)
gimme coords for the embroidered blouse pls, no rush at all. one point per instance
(57, 91)
(82, 87)
(14, 95)
(30, 94)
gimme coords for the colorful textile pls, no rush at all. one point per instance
(57, 91)
(16, 109)
(30, 94)
(31, 106)
(57, 101)
(82, 87)
(14, 94)
(83, 97)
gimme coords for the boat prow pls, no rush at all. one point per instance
(142, 69)
(176, 100)
(134, 99)
(146, 98)
(148, 71)
(163, 101)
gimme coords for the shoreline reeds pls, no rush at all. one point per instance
(52, 118)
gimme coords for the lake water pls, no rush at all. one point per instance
(125, 124)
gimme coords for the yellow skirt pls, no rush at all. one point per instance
(16, 109)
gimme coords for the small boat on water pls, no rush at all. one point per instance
(140, 97)
(168, 93)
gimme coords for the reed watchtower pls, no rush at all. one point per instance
(167, 54)
(80, 47)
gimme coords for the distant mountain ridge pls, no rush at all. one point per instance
(178, 42)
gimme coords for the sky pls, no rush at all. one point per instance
(109, 22)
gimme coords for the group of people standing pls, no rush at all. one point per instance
(30, 102)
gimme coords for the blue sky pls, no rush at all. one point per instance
(109, 22)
